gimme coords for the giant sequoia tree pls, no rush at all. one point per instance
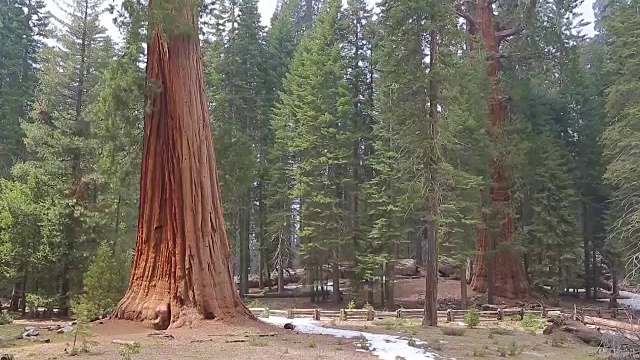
(182, 262)
(509, 276)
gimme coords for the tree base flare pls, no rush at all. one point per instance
(159, 313)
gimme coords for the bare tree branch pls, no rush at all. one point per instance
(460, 11)
(518, 28)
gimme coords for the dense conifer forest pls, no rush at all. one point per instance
(493, 136)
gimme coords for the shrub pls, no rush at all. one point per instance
(364, 343)
(479, 353)
(434, 345)
(515, 349)
(5, 319)
(452, 331)
(531, 322)
(351, 305)
(255, 303)
(472, 318)
(129, 349)
(500, 331)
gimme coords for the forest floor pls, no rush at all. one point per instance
(209, 340)
(206, 341)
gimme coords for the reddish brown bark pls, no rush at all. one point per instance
(509, 277)
(181, 270)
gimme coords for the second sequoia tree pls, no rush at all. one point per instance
(181, 270)
(503, 270)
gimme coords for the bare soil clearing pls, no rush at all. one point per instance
(206, 340)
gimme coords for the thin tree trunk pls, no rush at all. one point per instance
(463, 286)
(390, 276)
(383, 282)
(336, 278)
(430, 233)
(585, 245)
(280, 266)
(182, 263)
(244, 223)
(594, 270)
(262, 268)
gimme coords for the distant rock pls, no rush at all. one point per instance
(405, 267)
(446, 268)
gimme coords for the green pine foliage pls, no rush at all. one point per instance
(314, 106)
(620, 139)
(104, 283)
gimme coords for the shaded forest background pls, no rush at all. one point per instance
(340, 140)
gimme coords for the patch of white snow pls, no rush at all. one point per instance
(632, 301)
(386, 347)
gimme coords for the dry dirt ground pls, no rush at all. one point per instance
(206, 341)
(210, 337)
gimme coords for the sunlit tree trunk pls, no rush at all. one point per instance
(181, 270)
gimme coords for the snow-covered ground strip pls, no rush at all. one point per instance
(328, 286)
(632, 301)
(386, 347)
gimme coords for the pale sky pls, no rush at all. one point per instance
(266, 8)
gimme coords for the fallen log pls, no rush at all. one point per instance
(161, 335)
(123, 342)
(576, 329)
(200, 340)
(612, 324)
(236, 340)
(247, 335)
(279, 295)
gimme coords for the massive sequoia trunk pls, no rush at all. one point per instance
(181, 270)
(508, 275)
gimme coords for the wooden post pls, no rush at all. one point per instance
(316, 314)
(343, 315)
(544, 311)
(500, 314)
(370, 314)
(598, 313)
(521, 313)
(290, 314)
(574, 316)
(614, 313)
(449, 315)
(399, 313)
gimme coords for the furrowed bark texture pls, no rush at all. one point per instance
(509, 276)
(181, 269)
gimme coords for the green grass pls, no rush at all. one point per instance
(407, 327)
